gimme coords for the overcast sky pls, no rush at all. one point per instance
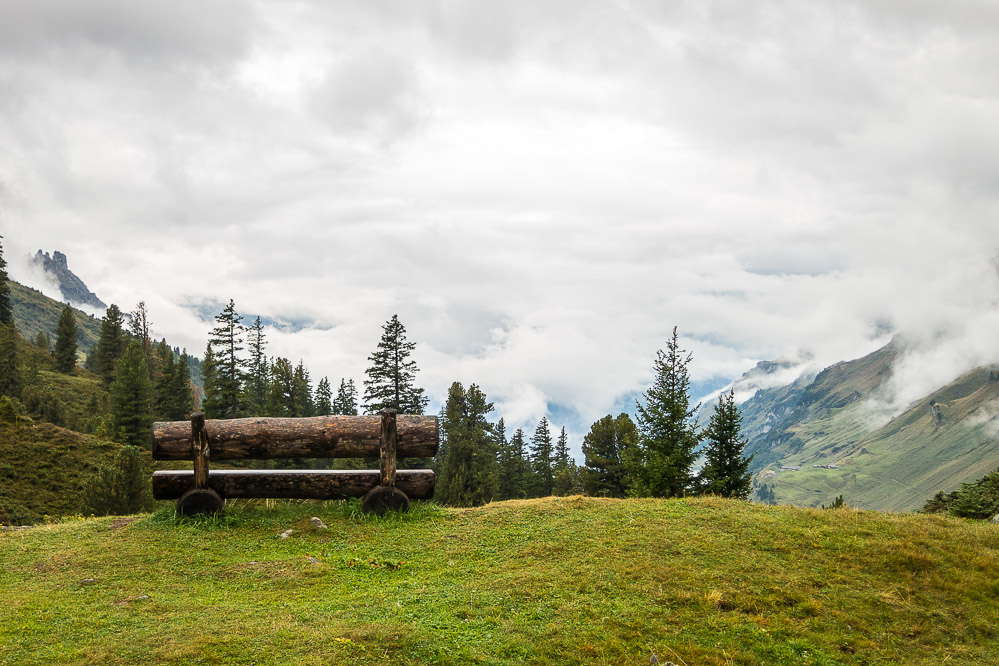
(540, 190)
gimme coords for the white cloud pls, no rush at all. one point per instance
(541, 191)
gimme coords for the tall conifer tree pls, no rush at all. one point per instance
(132, 398)
(541, 460)
(725, 471)
(324, 398)
(211, 403)
(10, 375)
(6, 311)
(346, 398)
(468, 475)
(606, 449)
(391, 381)
(667, 432)
(257, 379)
(226, 342)
(65, 347)
(110, 344)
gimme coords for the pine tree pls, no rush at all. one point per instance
(180, 404)
(541, 461)
(667, 433)
(324, 398)
(519, 474)
(281, 395)
(346, 399)
(139, 328)
(132, 398)
(605, 449)
(505, 463)
(392, 375)
(65, 347)
(11, 382)
(6, 311)
(226, 341)
(468, 475)
(257, 378)
(111, 343)
(302, 392)
(725, 471)
(567, 479)
(211, 404)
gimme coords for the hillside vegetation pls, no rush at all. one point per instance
(551, 581)
(35, 313)
(941, 441)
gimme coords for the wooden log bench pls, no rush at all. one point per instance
(387, 437)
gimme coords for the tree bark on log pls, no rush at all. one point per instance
(314, 437)
(293, 483)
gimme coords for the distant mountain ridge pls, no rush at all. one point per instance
(946, 438)
(72, 287)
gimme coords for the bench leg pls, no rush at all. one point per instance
(381, 499)
(199, 500)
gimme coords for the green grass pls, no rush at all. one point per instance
(561, 581)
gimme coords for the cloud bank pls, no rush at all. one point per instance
(540, 191)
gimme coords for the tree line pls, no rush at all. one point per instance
(653, 455)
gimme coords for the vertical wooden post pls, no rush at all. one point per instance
(200, 498)
(386, 464)
(199, 444)
(385, 496)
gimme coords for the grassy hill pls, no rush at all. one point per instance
(947, 438)
(43, 468)
(35, 313)
(553, 581)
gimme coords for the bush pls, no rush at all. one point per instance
(979, 499)
(121, 488)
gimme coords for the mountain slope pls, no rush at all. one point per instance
(35, 313)
(939, 442)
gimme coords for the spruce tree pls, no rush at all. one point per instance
(468, 475)
(211, 403)
(11, 382)
(605, 450)
(324, 398)
(226, 342)
(667, 433)
(302, 392)
(6, 311)
(132, 398)
(281, 395)
(110, 344)
(725, 470)
(257, 378)
(138, 326)
(519, 472)
(65, 347)
(180, 404)
(504, 462)
(346, 399)
(543, 477)
(567, 479)
(391, 381)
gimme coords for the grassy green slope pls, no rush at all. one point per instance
(554, 581)
(35, 313)
(893, 466)
(43, 468)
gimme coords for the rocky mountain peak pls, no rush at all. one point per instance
(72, 287)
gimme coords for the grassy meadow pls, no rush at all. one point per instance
(551, 581)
